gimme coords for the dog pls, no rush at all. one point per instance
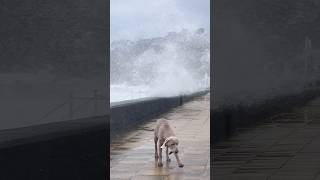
(165, 138)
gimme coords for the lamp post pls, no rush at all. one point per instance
(307, 51)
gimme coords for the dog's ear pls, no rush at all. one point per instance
(175, 140)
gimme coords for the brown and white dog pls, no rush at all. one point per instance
(165, 138)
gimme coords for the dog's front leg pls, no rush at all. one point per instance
(155, 148)
(159, 154)
(178, 160)
(167, 154)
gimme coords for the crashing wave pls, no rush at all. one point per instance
(178, 63)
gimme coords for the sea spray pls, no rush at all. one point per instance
(160, 67)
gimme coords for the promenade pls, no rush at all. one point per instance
(132, 156)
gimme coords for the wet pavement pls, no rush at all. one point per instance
(285, 147)
(132, 156)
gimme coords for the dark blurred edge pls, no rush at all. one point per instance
(264, 24)
(65, 150)
(127, 115)
(76, 149)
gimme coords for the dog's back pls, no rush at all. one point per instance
(163, 129)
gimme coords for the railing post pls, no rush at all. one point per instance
(70, 105)
(307, 59)
(181, 100)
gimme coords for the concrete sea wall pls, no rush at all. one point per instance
(127, 115)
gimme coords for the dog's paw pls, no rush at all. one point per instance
(160, 164)
(181, 165)
(168, 160)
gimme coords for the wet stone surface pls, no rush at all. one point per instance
(286, 147)
(132, 156)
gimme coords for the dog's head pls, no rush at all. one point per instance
(172, 144)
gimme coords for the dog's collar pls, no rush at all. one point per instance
(165, 141)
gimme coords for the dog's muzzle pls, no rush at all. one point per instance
(176, 152)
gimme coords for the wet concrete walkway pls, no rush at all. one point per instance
(132, 157)
(286, 147)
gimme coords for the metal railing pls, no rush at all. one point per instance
(72, 107)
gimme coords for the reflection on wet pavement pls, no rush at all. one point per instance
(132, 156)
(285, 147)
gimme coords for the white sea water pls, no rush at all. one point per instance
(124, 92)
(176, 64)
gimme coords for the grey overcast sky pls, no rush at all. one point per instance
(136, 19)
